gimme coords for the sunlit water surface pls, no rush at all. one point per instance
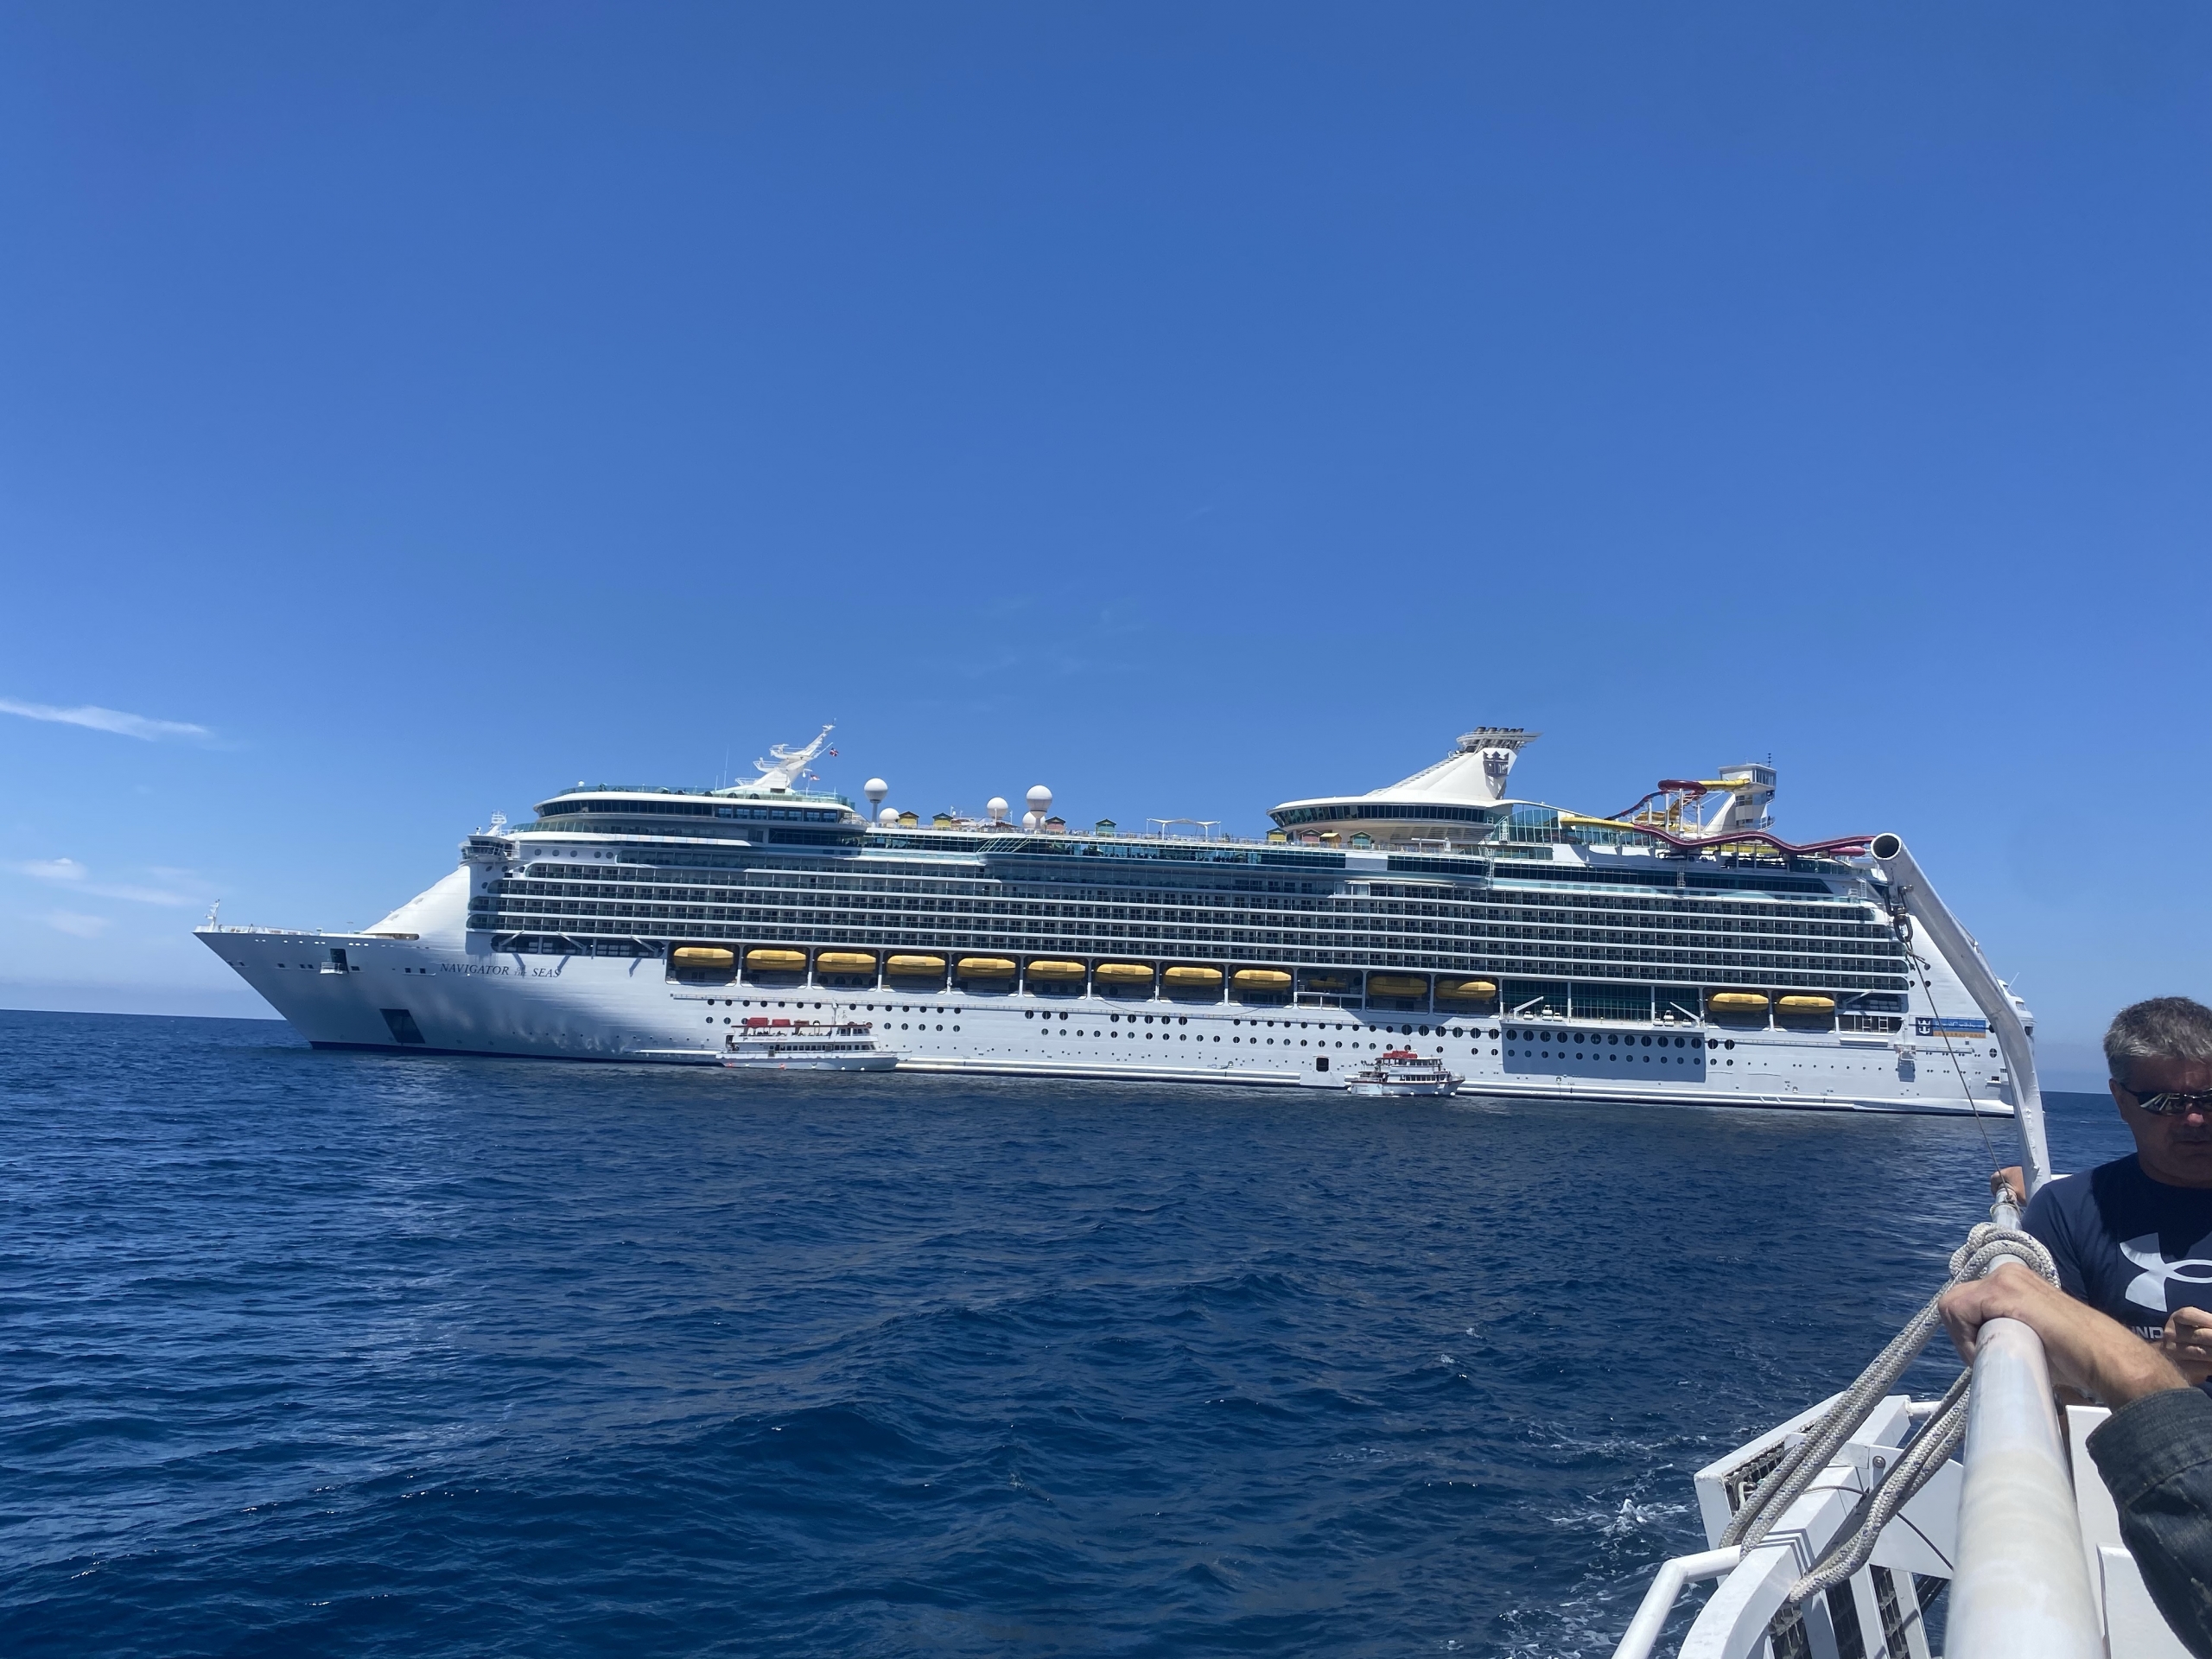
(337, 1353)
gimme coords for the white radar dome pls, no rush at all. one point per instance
(875, 788)
(1030, 821)
(997, 808)
(888, 817)
(1040, 800)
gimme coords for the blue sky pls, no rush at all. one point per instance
(421, 408)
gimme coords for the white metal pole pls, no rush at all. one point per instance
(2022, 1589)
(1965, 957)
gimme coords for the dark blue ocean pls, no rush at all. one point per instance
(319, 1353)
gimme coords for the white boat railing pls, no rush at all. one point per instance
(2022, 1589)
(1667, 1587)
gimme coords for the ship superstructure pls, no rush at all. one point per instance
(1679, 950)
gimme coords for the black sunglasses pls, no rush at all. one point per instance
(2172, 1102)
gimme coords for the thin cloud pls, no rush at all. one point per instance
(70, 921)
(51, 869)
(69, 873)
(104, 720)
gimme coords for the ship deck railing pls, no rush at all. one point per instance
(2018, 1528)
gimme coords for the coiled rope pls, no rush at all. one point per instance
(1986, 1246)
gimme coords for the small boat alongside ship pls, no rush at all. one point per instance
(1401, 1072)
(767, 1044)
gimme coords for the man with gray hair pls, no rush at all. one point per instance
(2133, 1238)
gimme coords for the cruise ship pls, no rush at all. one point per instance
(1678, 950)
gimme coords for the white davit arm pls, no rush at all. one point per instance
(1919, 895)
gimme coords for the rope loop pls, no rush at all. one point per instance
(1989, 1243)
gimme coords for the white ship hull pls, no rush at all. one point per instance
(460, 998)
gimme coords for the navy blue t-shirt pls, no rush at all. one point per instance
(2130, 1247)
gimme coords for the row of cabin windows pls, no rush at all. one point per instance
(1492, 922)
(1840, 972)
(546, 899)
(1548, 909)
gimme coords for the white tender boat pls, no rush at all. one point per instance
(1402, 1071)
(1833, 1533)
(805, 1045)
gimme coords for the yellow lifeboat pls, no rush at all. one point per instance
(1261, 979)
(1466, 991)
(1123, 973)
(914, 967)
(1395, 985)
(1330, 982)
(1736, 1002)
(1193, 979)
(1809, 1006)
(1055, 970)
(703, 955)
(775, 961)
(985, 967)
(845, 961)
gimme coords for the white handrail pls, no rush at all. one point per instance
(1659, 1600)
(2022, 1589)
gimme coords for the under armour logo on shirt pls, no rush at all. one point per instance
(2149, 1286)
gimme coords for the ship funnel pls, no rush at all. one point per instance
(1474, 773)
